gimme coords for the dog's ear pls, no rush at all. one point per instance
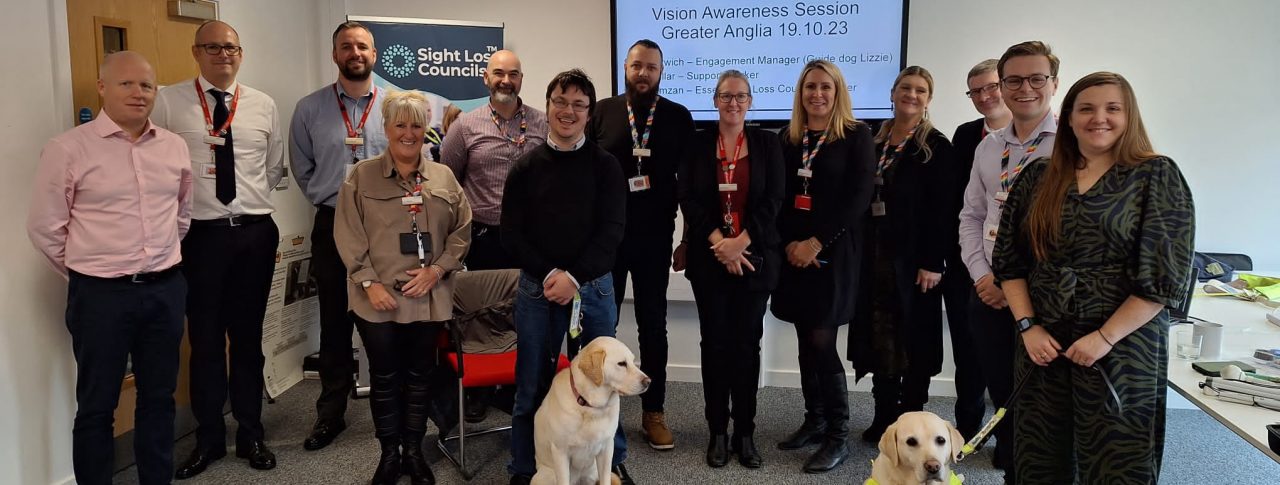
(592, 365)
(889, 444)
(957, 442)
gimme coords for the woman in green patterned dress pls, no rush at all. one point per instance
(1095, 243)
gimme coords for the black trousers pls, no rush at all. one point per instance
(994, 332)
(648, 261)
(336, 371)
(957, 289)
(401, 357)
(112, 321)
(228, 271)
(486, 250)
(731, 319)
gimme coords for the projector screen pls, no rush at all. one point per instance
(769, 41)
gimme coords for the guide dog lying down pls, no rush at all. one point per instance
(573, 429)
(917, 449)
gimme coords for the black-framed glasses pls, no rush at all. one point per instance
(1036, 81)
(741, 98)
(561, 103)
(984, 89)
(215, 49)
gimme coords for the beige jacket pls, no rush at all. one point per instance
(370, 218)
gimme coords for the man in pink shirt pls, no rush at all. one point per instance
(111, 201)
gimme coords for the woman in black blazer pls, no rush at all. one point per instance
(829, 166)
(729, 192)
(897, 331)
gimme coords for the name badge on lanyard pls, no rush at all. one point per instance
(637, 184)
(804, 202)
(728, 187)
(215, 140)
(641, 152)
(352, 141)
(411, 200)
(878, 208)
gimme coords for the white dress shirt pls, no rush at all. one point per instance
(256, 136)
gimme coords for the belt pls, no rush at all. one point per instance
(136, 278)
(232, 220)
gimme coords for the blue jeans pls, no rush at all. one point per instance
(540, 329)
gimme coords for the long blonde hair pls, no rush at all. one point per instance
(925, 127)
(1044, 216)
(842, 119)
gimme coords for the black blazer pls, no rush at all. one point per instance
(699, 197)
(918, 199)
(965, 143)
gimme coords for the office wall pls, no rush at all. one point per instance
(1203, 76)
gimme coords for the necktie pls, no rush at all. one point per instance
(223, 162)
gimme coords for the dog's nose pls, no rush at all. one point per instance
(646, 381)
(932, 466)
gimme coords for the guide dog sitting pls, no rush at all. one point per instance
(573, 429)
(917, 449)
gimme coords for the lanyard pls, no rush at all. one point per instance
(524, 126)
(414, 209)
(638, 141)
(728, 167)
(432, 136)
(1006, 178)
(887, 158)
(208, 120)
(358, 130)
(806, 156)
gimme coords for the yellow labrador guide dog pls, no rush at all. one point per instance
(917, 449)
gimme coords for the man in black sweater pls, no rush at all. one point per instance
(563, 216)
(649, 136)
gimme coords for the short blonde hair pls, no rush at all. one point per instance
(406, 106)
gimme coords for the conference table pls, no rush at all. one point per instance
(1245, 328)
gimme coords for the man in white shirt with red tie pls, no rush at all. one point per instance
(233, 134)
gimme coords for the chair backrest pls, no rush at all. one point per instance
(484, 310)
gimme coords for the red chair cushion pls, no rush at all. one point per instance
(487, 370)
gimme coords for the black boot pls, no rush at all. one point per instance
(834, 449)
(718, 451)
(887, 392)
(814, 425)
(745, 447)
(415, 427)
(385, 402)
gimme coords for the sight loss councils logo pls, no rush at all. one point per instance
(397, 60)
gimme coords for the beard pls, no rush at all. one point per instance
(355, 74)
(638, 98)
(503, 94)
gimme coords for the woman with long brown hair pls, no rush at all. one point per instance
(1094, 243)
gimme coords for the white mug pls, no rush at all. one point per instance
(1211, 345)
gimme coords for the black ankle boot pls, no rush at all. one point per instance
(415, 427)
(887, 393)
(718, 451)
(745, 448)
(834, 450)
(814, 425)
(388, 471)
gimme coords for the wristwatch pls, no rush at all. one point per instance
(1025, 324)
(366, 284)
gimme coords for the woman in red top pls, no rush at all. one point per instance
(730, 192)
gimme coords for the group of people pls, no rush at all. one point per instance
(1041, 248)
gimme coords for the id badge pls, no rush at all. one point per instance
(640, 152)
(208, 171)
(575, 316)
(728, 187)
(409, 244)
(879, 180)
(1002, 196)
(411, 200)
(877, 208)
(804, 202)
(989, 231)
(215, 140)
(804, 172)
(352, 141)
(638, 183)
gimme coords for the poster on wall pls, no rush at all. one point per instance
(291, 328)
(444, 59)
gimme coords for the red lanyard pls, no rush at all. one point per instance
(208, 120)
(358, 129)
(729, 165)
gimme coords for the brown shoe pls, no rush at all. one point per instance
(656, 431)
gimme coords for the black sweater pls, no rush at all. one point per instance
(564, 210)
(671, 143)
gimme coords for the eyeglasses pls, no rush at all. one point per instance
(561, 103)
(1013, 83)
(741, 98)
(986, 89)
(215, 49)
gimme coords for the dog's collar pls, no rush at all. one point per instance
(582, 401)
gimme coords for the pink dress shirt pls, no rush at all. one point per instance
(104, 205)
